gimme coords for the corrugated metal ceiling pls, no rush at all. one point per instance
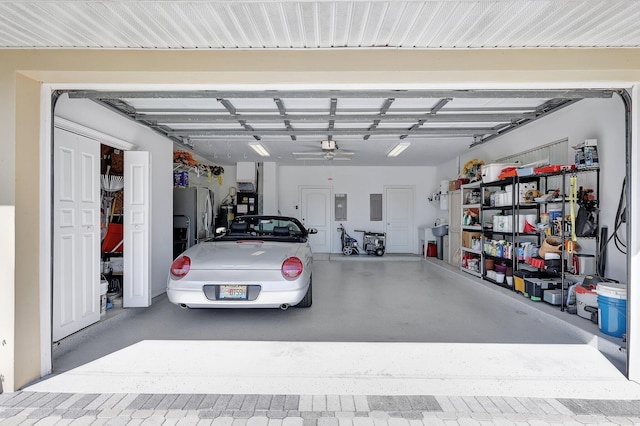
(266, 24)
(438, 124)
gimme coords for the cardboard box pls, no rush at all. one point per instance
(452, 185)
(467, 236)
(460, 182)
(586, 154)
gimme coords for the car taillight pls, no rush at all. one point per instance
(180, 267)
(291, 267)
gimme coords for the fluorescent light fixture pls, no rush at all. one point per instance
(398, 149)
(257, 147)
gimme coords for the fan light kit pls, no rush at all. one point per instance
(259, 148)
(328, 145)
(397, 150)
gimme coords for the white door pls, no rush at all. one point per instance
(315, 212)
(399, 210)
(76, 233)
(136, 275)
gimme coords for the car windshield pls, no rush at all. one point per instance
(265, 227)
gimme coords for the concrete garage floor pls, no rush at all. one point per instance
(494, 336)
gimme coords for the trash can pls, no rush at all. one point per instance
(432, 249)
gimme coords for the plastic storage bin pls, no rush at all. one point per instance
(553, 297)
(518, 280)
(586, 296)
(490, 172)
(535, 287)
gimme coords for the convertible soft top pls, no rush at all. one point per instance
(274, 228)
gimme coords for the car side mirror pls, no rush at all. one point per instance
(312, 231)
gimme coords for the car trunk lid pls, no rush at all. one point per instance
(243, 254)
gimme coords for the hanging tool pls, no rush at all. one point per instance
(573, 200)
(570, 244)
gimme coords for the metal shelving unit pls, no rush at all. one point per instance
(470, 203)
(566, 233)
(516, 208)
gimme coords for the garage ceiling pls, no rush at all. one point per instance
(260, 24)
(364, 125)
(436, 125)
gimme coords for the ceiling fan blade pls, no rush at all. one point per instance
(310, 158)
(323, 155)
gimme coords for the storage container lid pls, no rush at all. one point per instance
(613, 290)
(585, 290)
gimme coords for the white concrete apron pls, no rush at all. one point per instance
(330, 368)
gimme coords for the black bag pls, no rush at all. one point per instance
(586, 222)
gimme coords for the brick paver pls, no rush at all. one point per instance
(48, 409)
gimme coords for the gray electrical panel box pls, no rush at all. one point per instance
(341, 206)
(375, 207)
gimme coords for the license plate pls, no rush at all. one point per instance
(234, 292)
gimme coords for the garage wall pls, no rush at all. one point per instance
(358, 183)
(92, 115)
(601, 119)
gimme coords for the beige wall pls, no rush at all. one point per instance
(21, 72)
(27, 289)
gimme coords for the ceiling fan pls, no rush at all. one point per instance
(330, 151)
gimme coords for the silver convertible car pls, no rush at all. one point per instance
(259, 262)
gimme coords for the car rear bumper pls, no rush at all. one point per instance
(195, 298)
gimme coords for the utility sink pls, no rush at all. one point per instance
(440, 230)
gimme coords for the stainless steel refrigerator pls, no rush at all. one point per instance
(193, 217)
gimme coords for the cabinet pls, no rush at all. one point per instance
(509, 225)
(247, 203)
(471, 231)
